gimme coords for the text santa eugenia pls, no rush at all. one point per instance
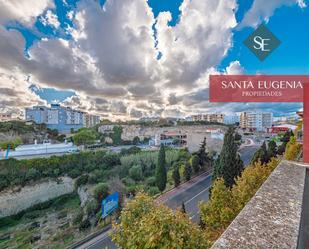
(244, 84)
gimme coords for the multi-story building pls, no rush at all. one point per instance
(63, 119)
(231, 119)
(5, 117)
(258, 121)
(212, 117)
(91, 120)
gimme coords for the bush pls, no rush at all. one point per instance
(153, 191)
(77, 219)
(101, 192)
(92, 207)
(151, 181)
(84, 225)
(136, 173)
(82, 180)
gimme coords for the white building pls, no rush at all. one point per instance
(231, 119)
(91, 120)
(210, 117)
(258, 121)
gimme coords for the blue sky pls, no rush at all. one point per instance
(287, 19)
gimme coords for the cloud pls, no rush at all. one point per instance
(262, 10)
(24, 11)
(50, 19)
(199, 41)
(111, 62)
(15, 93)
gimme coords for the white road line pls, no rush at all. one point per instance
(197, 195)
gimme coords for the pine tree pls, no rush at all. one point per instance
(176, 176)
(202, 154)
(161, 177)
(230, 165)
(272, 149)
(188, 171)
(183, 208)
(195, 162)
(261, 155)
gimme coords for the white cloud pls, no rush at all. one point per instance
(25, 11)
(262, 10)
(50, 19)
(111, 62)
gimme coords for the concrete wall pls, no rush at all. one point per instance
(13, 201)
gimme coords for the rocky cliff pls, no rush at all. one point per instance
(13, 201)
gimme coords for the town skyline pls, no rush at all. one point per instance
(58, 51)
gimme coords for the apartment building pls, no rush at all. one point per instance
(258, 121)
(231, 119)
(91, 120)
(63, 119)
(5, 117)
(212, 117)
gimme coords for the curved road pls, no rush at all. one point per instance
(191, 193)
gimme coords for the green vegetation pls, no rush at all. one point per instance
(146, 225)
(229, 165)
(12, 144)
(85, 136)
(161, 177)
(292, 149)
(19, 172)
(176, 176)
(226, 203)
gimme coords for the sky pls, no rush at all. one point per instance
(127, 59)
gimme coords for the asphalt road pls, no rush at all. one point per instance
(191, 193)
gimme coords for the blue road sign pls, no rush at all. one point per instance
(110, 204)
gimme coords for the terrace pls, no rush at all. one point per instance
(277, 216)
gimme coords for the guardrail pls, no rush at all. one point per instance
(89, 237)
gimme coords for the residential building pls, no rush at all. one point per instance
(63, 119)
(231, 119)
(5, 117)
(91, 120)
(258, 121)
(176, 138)
(212, 117)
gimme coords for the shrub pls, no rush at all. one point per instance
(136, 173)
(82, 180)
(100, 191)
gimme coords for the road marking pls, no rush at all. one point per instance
(187, 187)
(197, 195)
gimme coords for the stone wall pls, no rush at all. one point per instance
(13, 201)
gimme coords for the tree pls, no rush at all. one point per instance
(202, 154)
(136, 140)
(292, 149)
(101, 192)
(136, 173)
(230, 165)
(116, 135)
(261, 155)
(217, 213)
(183, 208)
(281, 148)
(144, 224)
(85, 136)
(176, 176)
(188, 171)
(195, 162)
(161, 175)
(272, 149)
